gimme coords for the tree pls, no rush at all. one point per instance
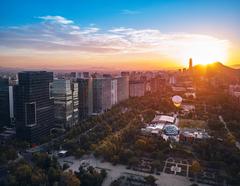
(150, 180)
(69, 179)
(231, 139)
(156, 164)
(42, 160)
(65, 166)
(141, 144)
(90, 177)
(53, 175)
(38, 177)
(11, 180)
(11, 154)
(133, 161)
(23, 174)
(103, 173)
(196, 167)
(116, 183)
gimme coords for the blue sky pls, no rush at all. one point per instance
(167, 15)
(25, 20)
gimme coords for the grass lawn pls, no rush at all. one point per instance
(190, 123)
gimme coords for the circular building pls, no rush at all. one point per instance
(170, 130)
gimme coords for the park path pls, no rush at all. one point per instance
(115, 171)
(237, 144)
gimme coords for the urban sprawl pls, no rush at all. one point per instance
(127, 128)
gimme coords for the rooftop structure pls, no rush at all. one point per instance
(178, 89)
(159, 123)
(188, 134)
(164, 119)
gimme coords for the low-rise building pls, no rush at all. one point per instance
(192, 134)
(160, 123)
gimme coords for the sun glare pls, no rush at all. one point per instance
(204, 52)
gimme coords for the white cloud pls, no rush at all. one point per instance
(61, 34)
(129, 12)
(58, 19)
(85, 31)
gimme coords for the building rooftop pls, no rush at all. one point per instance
(163, 119)
(195, 133)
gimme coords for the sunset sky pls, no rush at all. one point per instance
(118, 34)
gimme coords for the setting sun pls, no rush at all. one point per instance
(204, 51)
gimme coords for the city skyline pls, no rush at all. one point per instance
(146, 35)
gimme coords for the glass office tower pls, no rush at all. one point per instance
(34, 105)
(6, 103)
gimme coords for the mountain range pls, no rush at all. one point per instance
(217, 70)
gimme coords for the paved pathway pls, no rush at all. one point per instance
(172, 160)
(237, 144)
(116, 171)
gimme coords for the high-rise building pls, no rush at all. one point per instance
(172, 80)
(85, 96)
(34, 105)
(74, 89)
(83, 75)
(190, 64)
(114, 91)
(122, 88)
(101, 94)
(125, 73)
(6, 103)
(157, 84)
(136, 88)
(65, 95)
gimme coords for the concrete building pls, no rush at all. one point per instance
(65, 96)
(34, 105)
(136, 88)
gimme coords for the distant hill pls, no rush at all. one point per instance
(217, 70)
(236, 66)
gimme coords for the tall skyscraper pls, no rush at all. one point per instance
(6, 103)
(74, 88)
(85, 96)
(34, 105)
(190, 64)
(65, 95)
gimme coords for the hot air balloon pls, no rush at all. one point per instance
(177, 100)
